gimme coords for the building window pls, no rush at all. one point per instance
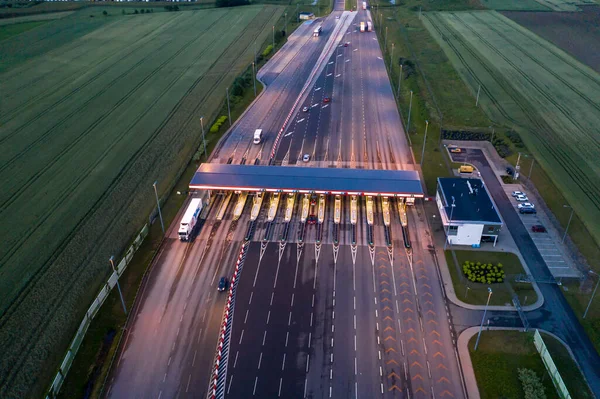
(491, 229)
(452, 230)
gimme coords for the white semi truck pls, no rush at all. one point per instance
(369, 26)
(317, 31)
(190, 219)
(362, 26)
(258, 136)
(364, 5)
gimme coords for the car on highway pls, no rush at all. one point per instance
(305, 158)
(313, 200)
(538, 228)
(527, 210)
(455, 150)
(222, 284)
(337, 17)
(326, 99)
(312, 219)
(521, 198)
(346, 44)
(305, 109)
(515, 193)
(526, 205)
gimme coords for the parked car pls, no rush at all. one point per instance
(305, 109)
(305, 158)
(515, 193)
(538, 228)
(326, 99)
(521, 198)
(527, 210)
(222, 284)
(526, 205)
(456, 150)
(510, 171)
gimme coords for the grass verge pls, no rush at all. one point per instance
(477, 293)
(7, 31)
(501, 353)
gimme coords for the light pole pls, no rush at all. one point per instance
(483, 318)
(254, 77)
(392, 58)
(424, 141)
(285, 24)
(112, 263)
(449, 221)
(385, 40)
(493, 132)
(203, 139)
(593, 293)
(467, 292)
(569, 222)
(228, 107)
(158, 205)
(409, 110)
(273, 38)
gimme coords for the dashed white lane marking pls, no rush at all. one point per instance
(339, 55)
(314, 105)
(188, 384)
(329, 74)
(283, 363)
(379, 58)
(264, 337)
(165, 377)
(317, 89)
(169, 362)
(236, 358)
(292, 303)
(301, 120)
(272, 295)
(241, 336)
(259, 360)
(194, 361)
(280, 382)
(307, 362)
(347, 60)
(159, 394)
(268, 316)
(331, 62)
(355, 49)
(250, 301)
(309, 339)
(311, 318)
(246, 318)
(355, 367)
(287, 336)
(255, 382)
(338, 75)
(290, 319)
(325, 106)
(229, 387)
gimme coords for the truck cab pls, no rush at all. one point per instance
(317, 31)
(257, 136)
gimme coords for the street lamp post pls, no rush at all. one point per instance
(467, 292)
(483, 318)
(424, 141)
(449, 221)
(385, 40)
(162, 226)
(399, 82)
(254, 77)
(392, 58)
(273, 38)
(568, 223)
(228, 107)
(477, 100)
(203, 137)
(409, 110)
(593, 293)
(112, 263)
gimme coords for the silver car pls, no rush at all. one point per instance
(305, 158)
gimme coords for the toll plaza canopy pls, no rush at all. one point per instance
(403, 183)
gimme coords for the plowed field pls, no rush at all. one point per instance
(86, 128)
(527, 82)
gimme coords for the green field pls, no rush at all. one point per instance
(550, 98)
(501, 353)
(87, 127)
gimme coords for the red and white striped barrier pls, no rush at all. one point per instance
(226, 320)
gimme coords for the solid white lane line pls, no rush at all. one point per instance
(241, 336)
(259, 360)
(236, 358)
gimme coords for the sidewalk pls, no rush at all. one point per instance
(505, 244)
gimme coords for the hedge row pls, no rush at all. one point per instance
(215, 128)
(532, 386)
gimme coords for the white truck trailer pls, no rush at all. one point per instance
(190, 219)
(317, 31)
(258, 136)
(364, 5)
(369, 26)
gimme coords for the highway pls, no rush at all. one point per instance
(318, 312)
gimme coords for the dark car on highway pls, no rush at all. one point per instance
(312, 219)
(326, 99)
(538, 228)
(222, 284)
(527, 210)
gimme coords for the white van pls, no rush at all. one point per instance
(257, 136)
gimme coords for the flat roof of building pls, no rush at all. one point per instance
(471, 199)
(213, 176)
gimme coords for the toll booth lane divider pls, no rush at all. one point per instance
(219, 374)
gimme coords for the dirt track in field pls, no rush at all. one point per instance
(577, 33)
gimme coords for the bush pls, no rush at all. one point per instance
(532, 386)
(142, 10)
(483, 273)
(267, 50)
(231, 3)
(104, 13)
(465, 135)
(515, 138)
(502, 148)
(217, 125)
(135, 11)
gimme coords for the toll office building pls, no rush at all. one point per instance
(467, 211)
